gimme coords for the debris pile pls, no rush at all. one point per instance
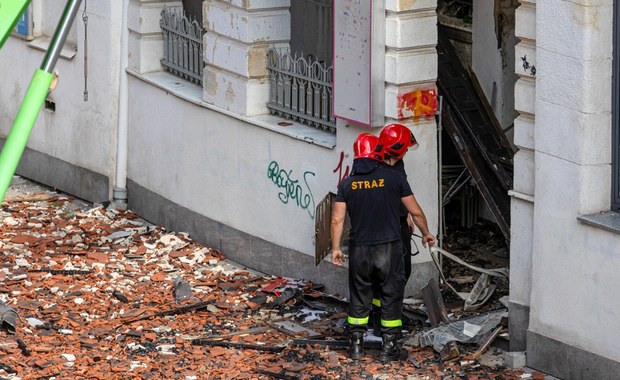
(98, 293)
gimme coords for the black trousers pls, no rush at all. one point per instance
(378, 268)
(406, 237)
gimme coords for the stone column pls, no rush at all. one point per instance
(410, 76)
(239, 34)
(522, 203)
(145, 36)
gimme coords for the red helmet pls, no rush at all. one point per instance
(368, 146)
(396, 139)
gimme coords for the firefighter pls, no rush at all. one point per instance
(372, 197)
(396, 139)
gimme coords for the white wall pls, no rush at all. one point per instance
(574, 266)
(81, 133)
(218, 166)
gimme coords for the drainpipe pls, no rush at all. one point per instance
(120, 182)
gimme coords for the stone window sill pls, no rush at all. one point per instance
(42, 43)
(193, 93)
(606, 220)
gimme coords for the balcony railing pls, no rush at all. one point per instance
(182, 45)
(301, 89)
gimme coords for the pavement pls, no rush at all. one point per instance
(94, 292)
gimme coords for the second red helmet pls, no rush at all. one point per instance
(368, 146)
(396, 140)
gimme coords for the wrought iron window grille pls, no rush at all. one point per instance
(301, 89)
(182, 45)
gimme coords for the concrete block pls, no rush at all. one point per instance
(514, 359)
(594, 192)
(411, 29)
(249, 60)
(409, 5)
(583, 31)
(524, 129)
(144, 18)
(575, 136)
(393, 97)
(391, 101)
(410, 66)
(581, 85)
(145, 52)
(521, 237)
(525, 26)
(246, 97)
(589, 193)
(249, 27)
(258, 4)
(523, 181)
(525, 95)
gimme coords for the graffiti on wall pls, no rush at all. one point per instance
(527, 66)
(343, 171)
(418, 104)
(291, 190)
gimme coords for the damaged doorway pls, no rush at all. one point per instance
(476, 78)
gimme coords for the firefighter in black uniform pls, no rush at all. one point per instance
(372, 196)
(396, 139)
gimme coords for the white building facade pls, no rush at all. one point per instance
(210, 160)
(565, 243)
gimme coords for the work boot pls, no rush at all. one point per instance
(375, 316)
(391, 349)
(356, 345)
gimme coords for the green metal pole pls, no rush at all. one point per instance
(33, 100)
(10, 12)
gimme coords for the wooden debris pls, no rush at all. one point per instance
(437, 314)
(485, 346)
(258, 347)
(332, 343)
(169, 312)
(30, 198)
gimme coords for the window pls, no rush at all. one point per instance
(193, 10)
(615, 160)
(301, 79)
(182, 45)
(311, 29)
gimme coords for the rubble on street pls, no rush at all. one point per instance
(90, 292)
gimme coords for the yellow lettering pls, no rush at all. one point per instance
(374, 184)
(366, 184)
(353, 185)
(381, 182)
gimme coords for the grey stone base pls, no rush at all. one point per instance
(249, 250)
(567, 362)
(518, 323)
(53, 172)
